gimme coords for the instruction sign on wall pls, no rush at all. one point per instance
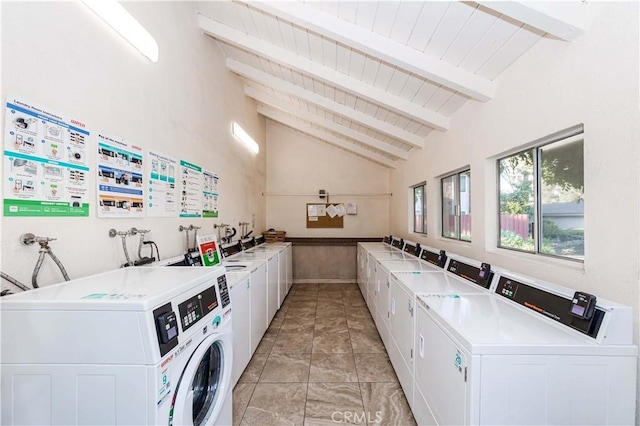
(120, 178)
(162, 191)
(45, 162)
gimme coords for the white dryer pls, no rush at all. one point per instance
(522, 356)
(130, 346)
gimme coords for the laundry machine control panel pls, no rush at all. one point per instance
(438, 259)
(558, 308)
(166, 328)
(481, 276)
(196, 307)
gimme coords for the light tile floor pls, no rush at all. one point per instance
(321, 362)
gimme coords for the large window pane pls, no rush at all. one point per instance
(562, 199)
(516, 189)
(418, 209)
(449, 219)
(465, 205)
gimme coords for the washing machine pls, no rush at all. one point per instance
(130, 346)
(526, 353)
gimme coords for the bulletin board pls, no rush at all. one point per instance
(323, 221)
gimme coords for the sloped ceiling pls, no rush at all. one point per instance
(375, 78)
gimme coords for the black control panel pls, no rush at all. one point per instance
(193, 309)
(550, 305)
(410, 248)
(387, 240)
(224, 290)
(231, 249)
(189, 259)
(166, 328)
(260, 240)
(481, 276)
(247, 244)
(397, 243)
(438, 259)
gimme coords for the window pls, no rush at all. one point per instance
(456, 206)
(420, 208)
(541, 197)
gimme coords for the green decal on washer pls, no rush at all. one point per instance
(216, 322)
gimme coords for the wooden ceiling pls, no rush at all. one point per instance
(375, 78)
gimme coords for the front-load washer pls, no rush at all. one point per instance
(130, 346)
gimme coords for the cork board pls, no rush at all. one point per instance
(325, 221)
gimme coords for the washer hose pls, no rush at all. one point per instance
(14, 281)
(36, 270)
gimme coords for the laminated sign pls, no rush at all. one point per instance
(208, 247)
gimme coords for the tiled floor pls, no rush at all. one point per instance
(321, 362)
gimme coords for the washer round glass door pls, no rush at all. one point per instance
(199, 391)
(206, 382)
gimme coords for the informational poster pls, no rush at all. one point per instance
(45, 162)
(120, 178)
(210, 194)
(208, 248)
(191, 190)
(162, 191)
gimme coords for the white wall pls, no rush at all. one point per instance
(592, 80)
(300, 164)
(61, 56)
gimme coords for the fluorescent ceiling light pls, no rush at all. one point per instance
(244, 137)
(112, 12)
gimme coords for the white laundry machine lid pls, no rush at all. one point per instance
(408, 265)
(127, 289)
(484, 324)
(435, 282)
(394, 255)
(377, 247)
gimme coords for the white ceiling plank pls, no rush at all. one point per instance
(397, 83)
(383, 77)
(350, 100)
(347, 10)
(366, 15)
(521, 41)
(277, 84)
(361, 105)
(340, 97)
(267, 99)
(370, 70)
(411, 87)
(385, 17)
(440, 98)
(499, 33)
(329, 53)
(343, 55)
(315, 47)
(302, 42)
(356, 64)
(477, 26)
(330, 7)
(451, 24)
(247, 21)
(381, 47)
(406, 21)
(453, 104)
(425, 93)
(261, 25)
(326, 74)
(289, 39)
(426, 24)
(564, 20)
(326, 137)
(274, 30)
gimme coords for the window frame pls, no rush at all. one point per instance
(536, 148)
(457, 192)
(413, 188)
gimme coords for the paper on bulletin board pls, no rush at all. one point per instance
(352, 208)
(120, 168)
(313, 218)
(312, 210)
(162, 198)
(321, 210)
(45, 162)
(341, 209)
(332, 211)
